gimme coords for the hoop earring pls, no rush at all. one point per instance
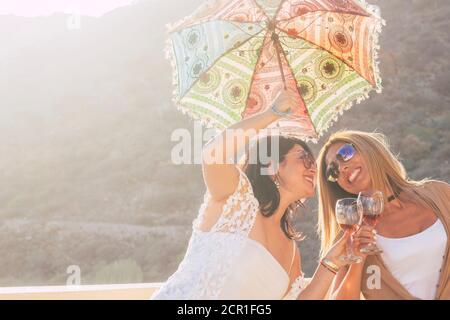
(277, 183)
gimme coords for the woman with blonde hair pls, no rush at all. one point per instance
(412, 232)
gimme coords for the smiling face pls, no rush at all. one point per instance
(353, 175)
(296, 178)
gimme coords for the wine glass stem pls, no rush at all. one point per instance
(349, 246)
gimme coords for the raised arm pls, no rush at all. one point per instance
(221, 176)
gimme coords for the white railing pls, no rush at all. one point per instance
(139, 291)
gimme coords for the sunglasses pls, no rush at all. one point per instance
(344, 154)
(308, 159)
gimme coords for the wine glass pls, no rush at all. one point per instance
(371, 205)
(349, 218)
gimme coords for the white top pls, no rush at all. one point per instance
(224, 263)
(416, 261)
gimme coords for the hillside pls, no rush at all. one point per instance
(86, 119)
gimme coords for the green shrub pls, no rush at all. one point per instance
(120, 271)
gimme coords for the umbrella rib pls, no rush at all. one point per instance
(280, 64)
(277, 12)
(300, 95)
(295, 48)
(181, 27)
(253, 75)
(278, 46)
(260, 8)
(220, 57)
(319, 17)
(331, 53)
(326, 11)
(240, 28)
(279, 9)
(300, 31)
(211, 18)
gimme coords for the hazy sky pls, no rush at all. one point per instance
(32, 8)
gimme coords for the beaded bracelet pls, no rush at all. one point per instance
(329, 265)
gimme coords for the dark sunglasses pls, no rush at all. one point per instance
(308, 159)
(344, 154)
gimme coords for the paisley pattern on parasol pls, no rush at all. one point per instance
(232, 58)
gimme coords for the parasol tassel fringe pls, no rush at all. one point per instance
(380, 22)
(170, 55)
(340, 111)
(375, 11)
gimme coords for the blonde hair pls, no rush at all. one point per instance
(386, 171)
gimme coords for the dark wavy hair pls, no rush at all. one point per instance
(264, 188)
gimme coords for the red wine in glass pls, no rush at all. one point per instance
(370, 204)
(349, 217)
(371, 220)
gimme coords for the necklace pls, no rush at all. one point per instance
(392, 198)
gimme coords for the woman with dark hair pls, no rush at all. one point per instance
(243, 244)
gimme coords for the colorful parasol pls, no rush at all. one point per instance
(232, 58)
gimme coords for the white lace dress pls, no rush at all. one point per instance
(224, 263)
